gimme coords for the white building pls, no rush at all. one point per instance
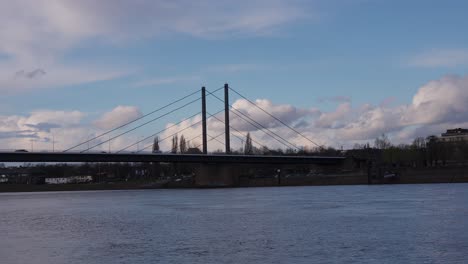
(3, 179)
(72, 179)
(457, 134)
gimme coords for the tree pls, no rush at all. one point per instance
(419, 143)
(432, 151)
(182, 145)
(248, 149)
(265, 150)
(156, 145)
(382, 142)
(175, 143)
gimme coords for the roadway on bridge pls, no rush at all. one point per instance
(150, 157)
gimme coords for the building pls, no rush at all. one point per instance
(71, 179)
(3, 179)
(457, 134)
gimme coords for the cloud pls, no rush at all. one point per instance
(16, 132)
(368, 124)
(334, 119)
(440, 58)
(284, 112)
(38, 34)
(118, 116)
(30, 75)
(438, 101)
(46, 127)
(436, 106)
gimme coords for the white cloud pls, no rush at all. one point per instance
(118, 116)
(43, 127)
(286, 113)
(443, 100)
(440, 58)
(61, 130)
(334, 119)
(436, 105)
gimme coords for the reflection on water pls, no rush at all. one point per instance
(329, 224)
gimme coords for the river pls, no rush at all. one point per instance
(326, 224)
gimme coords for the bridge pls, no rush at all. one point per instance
(173, 158)
(209, 164)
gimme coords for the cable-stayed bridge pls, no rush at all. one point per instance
(228, 159)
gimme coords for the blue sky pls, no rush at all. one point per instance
(306, 54)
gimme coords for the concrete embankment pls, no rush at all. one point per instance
(405, 176)
(77, 187)
(434, 175)
(353, 179)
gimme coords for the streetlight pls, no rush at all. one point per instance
(32, 145)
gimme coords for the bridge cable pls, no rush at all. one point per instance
(279, 120)
(213, 138)
(209, 93)
(258, 124)
(245, 135)
(148, 137)
(259, 127)
(138, 142)
(150, 121)
(130, 122)
(192, 125)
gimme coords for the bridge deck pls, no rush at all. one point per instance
(150, 157)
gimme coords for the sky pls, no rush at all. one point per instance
(340, 72)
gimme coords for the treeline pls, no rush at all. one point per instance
(183, 146)
(112, 171)
(422, 152)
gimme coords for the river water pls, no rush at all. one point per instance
(329, 224)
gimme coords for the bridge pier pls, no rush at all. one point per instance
(216, 175)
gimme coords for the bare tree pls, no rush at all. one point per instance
(248, 149)
(156, 145)
(382, 142)
(182, 145)
(175, 144)
(419, 143)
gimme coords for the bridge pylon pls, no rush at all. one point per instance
(204, 135)
(226, 119)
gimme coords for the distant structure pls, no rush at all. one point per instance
(457, 134)
(156, 145)
(194, 151)
(72, 179)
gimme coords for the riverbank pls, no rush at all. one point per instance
(405, 176)
(78, 187)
